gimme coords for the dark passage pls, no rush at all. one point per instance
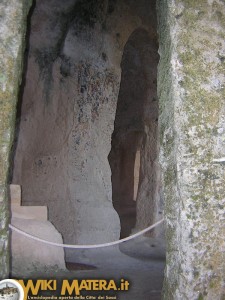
(134, 140)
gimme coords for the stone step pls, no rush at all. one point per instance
(25, 212)
(30, 212)
(15, 194)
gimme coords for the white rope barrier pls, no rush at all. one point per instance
(85, 246)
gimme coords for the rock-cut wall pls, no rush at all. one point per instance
(12, 32)
(192, 93)
(68, 110)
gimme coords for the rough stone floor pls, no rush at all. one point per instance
(140, 261)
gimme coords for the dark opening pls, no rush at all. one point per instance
(134, 179)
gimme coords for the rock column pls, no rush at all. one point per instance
(192, 93)
(12, 31)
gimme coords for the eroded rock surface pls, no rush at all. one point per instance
(191, 90)
(68, 111)
(12, 31)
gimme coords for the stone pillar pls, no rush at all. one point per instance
(192, 92)
(12, 31)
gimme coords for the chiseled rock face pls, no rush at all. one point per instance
(67, 120)
(68, 112)
(192, 93)
(12, 30)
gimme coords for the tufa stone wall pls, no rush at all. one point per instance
(12, 31)
(192, 92)
(68, 111)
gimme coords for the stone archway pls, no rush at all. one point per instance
(136, 131)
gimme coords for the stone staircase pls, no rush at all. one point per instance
(25, 212)
(28, 256)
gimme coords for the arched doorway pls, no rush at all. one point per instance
(134, 153)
